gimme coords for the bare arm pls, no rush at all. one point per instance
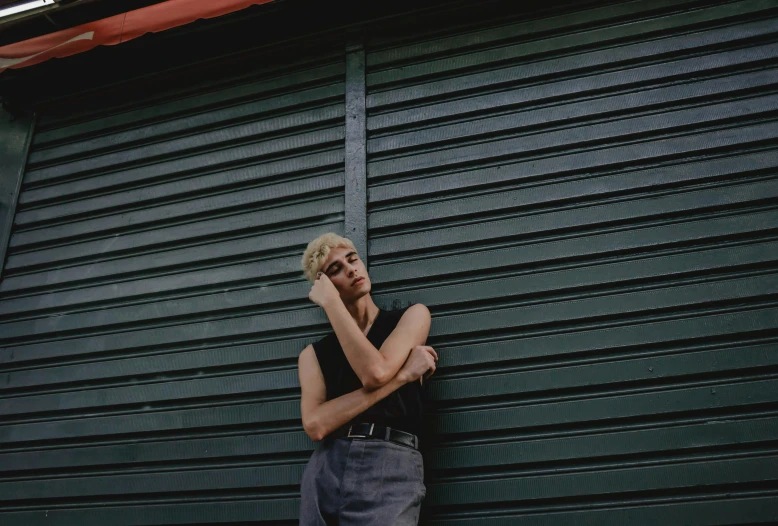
(320, 416)
(376, 367)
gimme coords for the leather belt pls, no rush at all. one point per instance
(369, 430)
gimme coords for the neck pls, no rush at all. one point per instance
(364, 311)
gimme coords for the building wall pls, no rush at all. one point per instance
(587, 203)
(584, 196)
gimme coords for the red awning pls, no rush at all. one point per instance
(116, 29)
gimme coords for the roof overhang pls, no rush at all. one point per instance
(116, 30)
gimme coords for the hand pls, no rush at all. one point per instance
(420, 364)
(323, 291)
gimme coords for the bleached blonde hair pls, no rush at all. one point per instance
(318, 250)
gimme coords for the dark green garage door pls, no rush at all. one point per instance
(587, 203)
(585, 197)
(152, 301)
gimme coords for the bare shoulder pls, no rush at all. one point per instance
(412, 329)
(308, 365)
(415, 320)
(417, 312)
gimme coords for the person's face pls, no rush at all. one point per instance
(343, 266)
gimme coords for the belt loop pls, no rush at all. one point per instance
(386, 432)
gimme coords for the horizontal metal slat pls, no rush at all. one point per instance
(658, 154)
(652, 336)
(199, 163)
(617, 33)
(138, 290)
(571, 113)
(165, 365)
(667, 333)
(730, 509)
(594, 278)
(615, 306)
(734, 361)
(214, 510)
(578, 220)
(640, 302)
(126, 486)
(224, 330)
(232, 92)
(192, 232)
(525, 30)
(692, 475)
(675, 439)
(132, 199)
(518, 385)
(185, 134)
(184, 421)
(542, 254)
(127, 269)
(502, 289)
(530, 69)
(577, 192)
(186, 140)
(150, 215)
(718, 64)
(171, 311)
(184, 257)
(653, 405)
(136, 452)
(210, 389)
(595, 135)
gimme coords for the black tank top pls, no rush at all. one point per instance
(402, 409)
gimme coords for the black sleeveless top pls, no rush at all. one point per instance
(402, 409)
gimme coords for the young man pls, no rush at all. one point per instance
(361, 398)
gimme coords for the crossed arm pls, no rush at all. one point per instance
(321, 416)
(375, 367)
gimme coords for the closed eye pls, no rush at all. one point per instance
(335, 269)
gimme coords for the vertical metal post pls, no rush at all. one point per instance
(15, 137)
(356, 159)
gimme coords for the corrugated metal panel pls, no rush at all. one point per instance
(587, 202)
(152, 308)
(15, 137)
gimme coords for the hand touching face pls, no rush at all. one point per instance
(346, 271)
(323, 291)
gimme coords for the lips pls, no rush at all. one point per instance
(358, 281)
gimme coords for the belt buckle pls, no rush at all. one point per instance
(359, 436)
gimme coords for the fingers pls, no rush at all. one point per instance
(430, 350)
(431, 370)
(431, 358)
(423, 356)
